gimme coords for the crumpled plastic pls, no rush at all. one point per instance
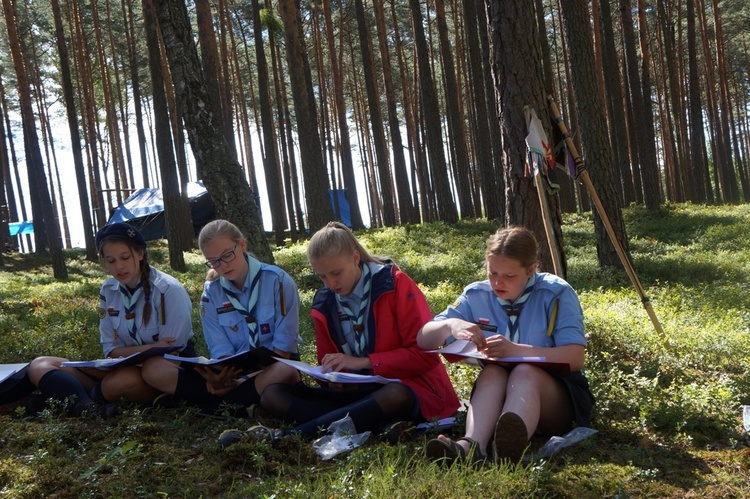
(342, 438)
(556, 444)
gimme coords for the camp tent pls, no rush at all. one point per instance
(144, 210)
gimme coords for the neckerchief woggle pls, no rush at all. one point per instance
(249, 311)
(514, 309)
(358, 325)
(129, 301)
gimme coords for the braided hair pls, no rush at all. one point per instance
(145, 270)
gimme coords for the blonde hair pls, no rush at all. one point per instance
(517, 243)
(335, 239)
(214, 230)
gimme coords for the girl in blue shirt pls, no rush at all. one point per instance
(516, 312)
(245, 305)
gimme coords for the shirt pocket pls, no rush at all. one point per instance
(539, 338)
(233, 322)
(266, 319)
(149, 334)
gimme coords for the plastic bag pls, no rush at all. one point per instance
(343, 438)
(556, 444)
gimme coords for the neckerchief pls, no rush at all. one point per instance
(249, 312)
(514, 309)
(359, 326)
(129, 301)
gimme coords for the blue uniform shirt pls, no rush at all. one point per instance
(174, 310)
(225, 329)
(478, 304)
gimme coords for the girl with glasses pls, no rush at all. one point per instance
(140, 307)
(366, 320)
(245, 305)
(516, 312)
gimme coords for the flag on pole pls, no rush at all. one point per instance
(540, 156)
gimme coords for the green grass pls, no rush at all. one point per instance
(667, 409)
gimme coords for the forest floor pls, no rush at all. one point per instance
(667, 416)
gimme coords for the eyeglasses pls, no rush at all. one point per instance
(227, 257)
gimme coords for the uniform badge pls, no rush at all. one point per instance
(233, 328)
(456, 304)
(265, 329)
(203, 310)
(102, 312)
(115, 336)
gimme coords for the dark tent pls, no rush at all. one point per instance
(344, 213)
(144, 210)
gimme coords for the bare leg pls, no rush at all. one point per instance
(127, 382)
(42, 365)
(539, 399)
(277, 372)
(161, 374)
(485, 407)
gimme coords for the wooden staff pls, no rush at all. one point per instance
(584, 175)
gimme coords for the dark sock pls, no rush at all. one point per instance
(192, 387)
(61, 385)
(365, 413)
(245, 395)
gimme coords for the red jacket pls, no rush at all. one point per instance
(398, 310)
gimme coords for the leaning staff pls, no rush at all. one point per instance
(584, 175)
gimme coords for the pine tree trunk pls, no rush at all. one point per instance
(224, 178)
(446, 207)
(34, 163)
(519, 81)
(406, 207)
(75, 139)
(701, 191)
(594, 130)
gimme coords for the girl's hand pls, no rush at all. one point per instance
(499, 346)
(463, 330)
(219, 383)
(339, 362)
(164, 342)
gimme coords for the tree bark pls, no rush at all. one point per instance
(224, 178)
(519, 81)
(34, 162)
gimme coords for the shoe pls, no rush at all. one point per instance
(400, 431)
(258, 432)
(95, 409)
(511, 437)
(36, 404)
(448, 452)
(166, 401)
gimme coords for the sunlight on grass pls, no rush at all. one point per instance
(667, 407)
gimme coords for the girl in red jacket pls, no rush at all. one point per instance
(366, 321)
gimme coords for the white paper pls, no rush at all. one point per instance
(8, 370)
(335, 377)
(466, 348)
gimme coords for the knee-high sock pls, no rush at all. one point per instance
(61, 385)
(365, 413)
(192, 387)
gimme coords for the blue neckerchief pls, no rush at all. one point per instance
(514, 309)
(358, 321)
(253, 273)
(129, 301)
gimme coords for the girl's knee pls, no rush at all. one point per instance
(41, 366)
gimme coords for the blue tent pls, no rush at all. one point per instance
(144, 210)
(344, 213)
(21, 228)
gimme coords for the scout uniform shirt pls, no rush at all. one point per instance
(479, 304)
(276, 314)
(170, 314)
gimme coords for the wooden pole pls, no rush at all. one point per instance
(544, 205)
(584, 176)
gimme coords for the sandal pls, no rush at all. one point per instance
(447, 452)
(511, 437)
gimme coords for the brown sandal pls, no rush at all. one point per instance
(450, 451)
